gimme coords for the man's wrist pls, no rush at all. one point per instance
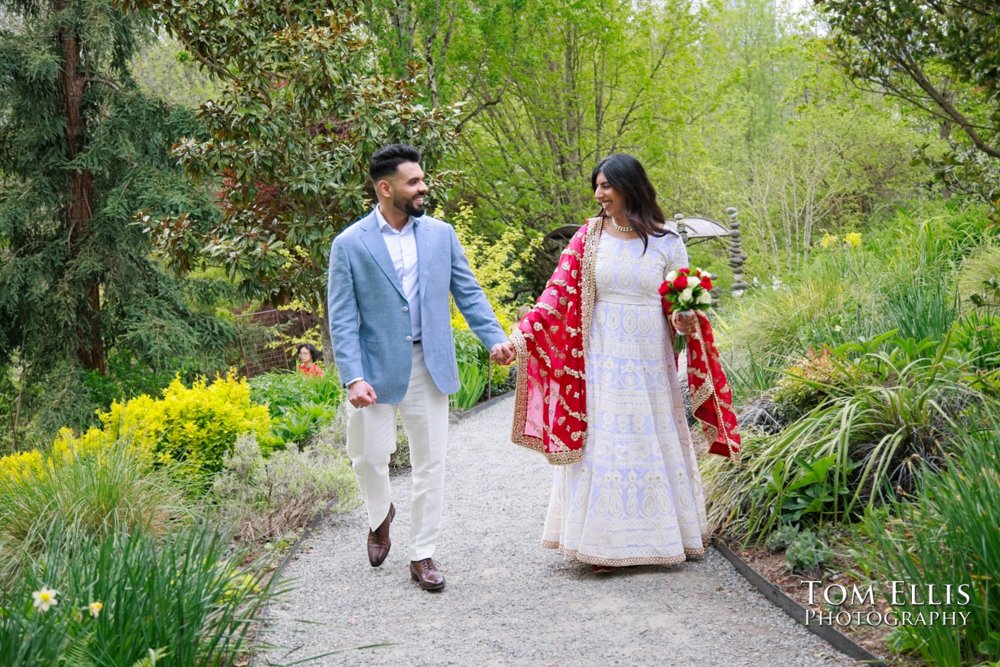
(350, 382)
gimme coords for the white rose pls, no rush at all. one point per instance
(686, 296)
(672, 276)
(704, 298)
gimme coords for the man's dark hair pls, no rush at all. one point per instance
(386, 159)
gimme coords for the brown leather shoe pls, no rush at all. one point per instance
(427, 573)
(378, 540)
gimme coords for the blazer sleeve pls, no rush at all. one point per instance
(470, 298)
(342, 305)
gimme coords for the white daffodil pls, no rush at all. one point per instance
(45, 598)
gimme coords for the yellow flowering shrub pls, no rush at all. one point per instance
(497, 266)
(193, 427)
(21, 466)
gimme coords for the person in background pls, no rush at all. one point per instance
(309, 360)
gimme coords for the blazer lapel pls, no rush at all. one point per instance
(425, 247)
(372, 238)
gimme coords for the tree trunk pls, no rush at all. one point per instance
(80, 188)
(324, 327)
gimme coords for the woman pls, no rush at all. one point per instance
(597, 387)
(308, 356)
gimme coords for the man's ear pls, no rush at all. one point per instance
(383, 188)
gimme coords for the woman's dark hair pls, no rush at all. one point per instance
(313, 352)
(626, 175)
(387, 159)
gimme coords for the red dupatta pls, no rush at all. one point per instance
(550, 413)
(711, 398)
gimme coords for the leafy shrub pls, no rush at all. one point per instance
(811, 380)
(947, 534)
(807, 553)
(473, 360)
(879, 432)
(267, 499)
(180, 600)
(301, 405)
(282, 390)
(782, 537)
(190, 428)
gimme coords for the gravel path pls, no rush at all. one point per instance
(508, 601)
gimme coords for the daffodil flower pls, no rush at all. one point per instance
(45, 598)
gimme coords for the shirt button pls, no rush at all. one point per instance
(406, 309)
(409, 338)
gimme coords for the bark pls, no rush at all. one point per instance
(79, 194)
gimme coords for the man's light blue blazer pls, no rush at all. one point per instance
(369, 316)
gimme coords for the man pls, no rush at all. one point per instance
(390, 276)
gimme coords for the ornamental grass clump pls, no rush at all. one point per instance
(99, 491)
(119, 598)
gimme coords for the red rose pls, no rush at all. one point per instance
(681, 282)
(685, 271)
(664, 288)
(706, 283)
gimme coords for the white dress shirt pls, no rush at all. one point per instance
(402, 246)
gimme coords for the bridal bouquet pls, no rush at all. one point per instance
(683, 290)
(687, 290)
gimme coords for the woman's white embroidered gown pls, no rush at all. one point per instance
(636, 496)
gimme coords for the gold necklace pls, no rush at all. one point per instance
(624, 229)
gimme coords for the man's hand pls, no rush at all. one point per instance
(361, 394)
(503, 353)
(685, 322)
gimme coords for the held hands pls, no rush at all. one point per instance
(503, 353)
(361, 394)
(685, 322)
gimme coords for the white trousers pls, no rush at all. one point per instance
(371, 440)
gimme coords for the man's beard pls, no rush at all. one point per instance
(407, 207)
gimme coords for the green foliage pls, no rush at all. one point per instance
(900, 278)
(281, 391)
(807, 553)
(301, 109)
(473, 360)
(938, 57)
(164, 69)
(856, 448)
(267, 500)
(782, 537)
(81, 150)
(182, 601)
(946, 534)
(300, 405)
(498, 264)
(99, 491)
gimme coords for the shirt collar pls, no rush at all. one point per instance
(383, 224)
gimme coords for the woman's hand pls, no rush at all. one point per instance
(685, 322)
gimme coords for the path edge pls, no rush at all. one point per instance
(796, 611)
